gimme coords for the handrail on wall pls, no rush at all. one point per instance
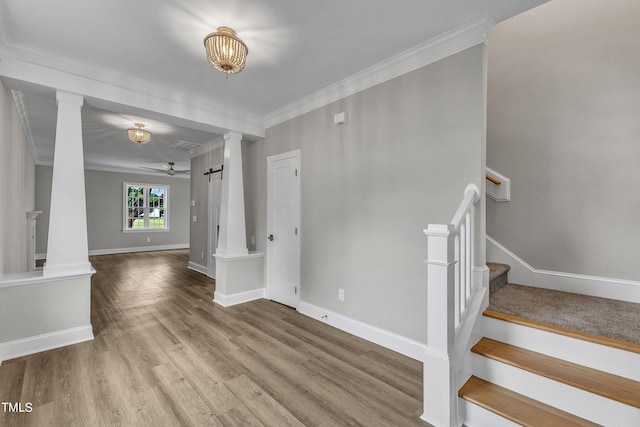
(495, 181)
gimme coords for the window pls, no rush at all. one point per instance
(146, 207)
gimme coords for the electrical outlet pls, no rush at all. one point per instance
(195, 218)
(148, 239)
(201, 255)
(253, 240)
(341, 294)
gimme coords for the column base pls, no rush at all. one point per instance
(239, 278)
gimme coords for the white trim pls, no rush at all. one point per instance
(146, 187)
(586, 353)
(239, 298)
(435, 49)
(524, 274)
(26, 63)
(18, 98)
(241, 256)
(582, 403)
(283, 156)
(48, 341)
(473, 415)
(387, 339)
(37, 276)
(197, 267)
(138, 249)
(498, 193)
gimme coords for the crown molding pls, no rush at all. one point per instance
(22, 62)
(18, 98)
(435, 49)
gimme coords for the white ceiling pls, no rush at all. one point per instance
(296, 48)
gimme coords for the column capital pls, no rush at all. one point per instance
(68, 97)
(232, 136)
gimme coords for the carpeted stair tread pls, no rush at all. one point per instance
(496, 269)
(516, 407)
(618, 320)
(497, 275)
(591, 380)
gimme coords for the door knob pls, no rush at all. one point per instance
(270, 237)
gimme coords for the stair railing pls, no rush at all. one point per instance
(450, 288)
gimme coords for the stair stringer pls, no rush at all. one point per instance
(597, 356)
(470, 329)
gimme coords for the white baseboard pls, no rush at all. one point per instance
(524, 274)
(390, 340)
(138, 249)
(239, 298)
(49, 341)
(112, 251)
(197, 267)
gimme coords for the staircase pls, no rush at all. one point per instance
(534, 374)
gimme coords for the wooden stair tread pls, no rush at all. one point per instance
(597, 339)
(516, 407)
(611, 386)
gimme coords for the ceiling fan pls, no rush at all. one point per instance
(169, 170)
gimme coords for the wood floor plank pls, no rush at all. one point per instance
(263, 406)
(239, 416)
(165, 355)
(287, 383)
(184, 400)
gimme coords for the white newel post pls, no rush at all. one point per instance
(233, 234)
(67, 247)
(440, 394)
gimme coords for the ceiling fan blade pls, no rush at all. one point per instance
(153, 169)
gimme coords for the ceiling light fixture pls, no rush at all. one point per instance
(139, 135)
(225, 51)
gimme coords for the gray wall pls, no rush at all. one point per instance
(104, 210)
(369, 187)
(199, 230)
(563, 124)
(17, 187)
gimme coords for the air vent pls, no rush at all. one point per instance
(185, 145)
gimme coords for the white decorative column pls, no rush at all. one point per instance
(239, 274)
(67, 247)
(233, 233)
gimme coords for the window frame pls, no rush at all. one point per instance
(145, 208)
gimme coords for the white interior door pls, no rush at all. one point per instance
(215, 201)
(283, 228)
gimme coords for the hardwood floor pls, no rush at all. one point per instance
(165, 355)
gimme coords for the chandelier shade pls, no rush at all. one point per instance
(139, 135)
(225, 51)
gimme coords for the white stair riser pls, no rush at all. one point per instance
(569, 399)
(476, 416)
(608, 359)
